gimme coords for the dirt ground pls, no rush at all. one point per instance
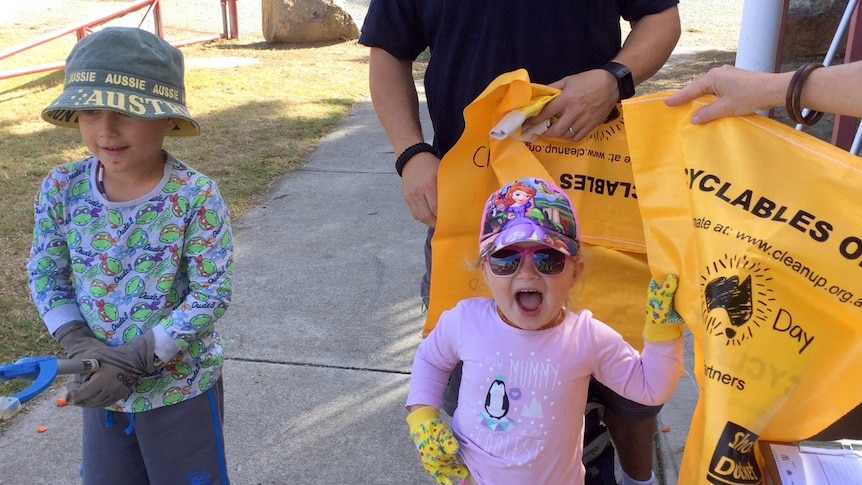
(710, 32)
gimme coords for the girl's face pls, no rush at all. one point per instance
(124, 144)
(528, 298)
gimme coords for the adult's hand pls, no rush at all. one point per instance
(419, 187)
(585, 102)
(739, 92)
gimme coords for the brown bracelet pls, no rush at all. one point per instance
(794, 96)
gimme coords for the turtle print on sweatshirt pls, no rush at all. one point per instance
(164, 259)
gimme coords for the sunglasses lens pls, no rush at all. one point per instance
(504, 262)
(549, 261)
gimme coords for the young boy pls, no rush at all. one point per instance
(527, 360)
(131, 265)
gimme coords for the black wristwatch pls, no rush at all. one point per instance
(625, 83)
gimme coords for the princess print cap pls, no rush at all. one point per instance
(127, 70)
(529, 209)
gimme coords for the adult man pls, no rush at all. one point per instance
(574, 45)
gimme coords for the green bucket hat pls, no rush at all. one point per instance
(127, 70)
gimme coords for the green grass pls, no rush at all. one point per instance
(258, 122)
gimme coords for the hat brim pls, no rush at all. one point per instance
(527, 231)
(63, 111)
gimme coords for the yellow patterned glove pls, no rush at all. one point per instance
(663, 323)
(435, 444)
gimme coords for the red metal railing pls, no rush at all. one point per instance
(230, 30)
(845, 131)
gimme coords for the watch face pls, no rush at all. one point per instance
(625, 84)
(627, 88)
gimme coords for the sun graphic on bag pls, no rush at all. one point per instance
(735, 296)
(613, 125)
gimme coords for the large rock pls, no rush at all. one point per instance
(811, 25)
(306, 21)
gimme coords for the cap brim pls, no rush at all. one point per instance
(527, 232)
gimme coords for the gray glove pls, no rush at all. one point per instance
(77, 339)
(120, 369)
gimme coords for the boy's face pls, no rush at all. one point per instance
(528, 298)
(122, 143)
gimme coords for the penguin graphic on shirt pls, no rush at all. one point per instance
(496, 401)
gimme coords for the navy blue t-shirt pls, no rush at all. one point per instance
(474, 41)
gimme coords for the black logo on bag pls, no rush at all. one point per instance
(733, 461)
(735, 298)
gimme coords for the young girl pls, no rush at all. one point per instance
(527, 360)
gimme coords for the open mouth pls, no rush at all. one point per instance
(529, 301)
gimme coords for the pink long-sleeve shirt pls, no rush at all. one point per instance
(523, 393)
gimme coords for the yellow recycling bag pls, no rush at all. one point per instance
(761, 224)
(595, 173)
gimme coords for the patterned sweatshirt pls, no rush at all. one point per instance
(523, 393)
(162, 262)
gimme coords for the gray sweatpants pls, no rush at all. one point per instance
(180, 444)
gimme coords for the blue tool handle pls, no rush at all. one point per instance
(42, 371)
